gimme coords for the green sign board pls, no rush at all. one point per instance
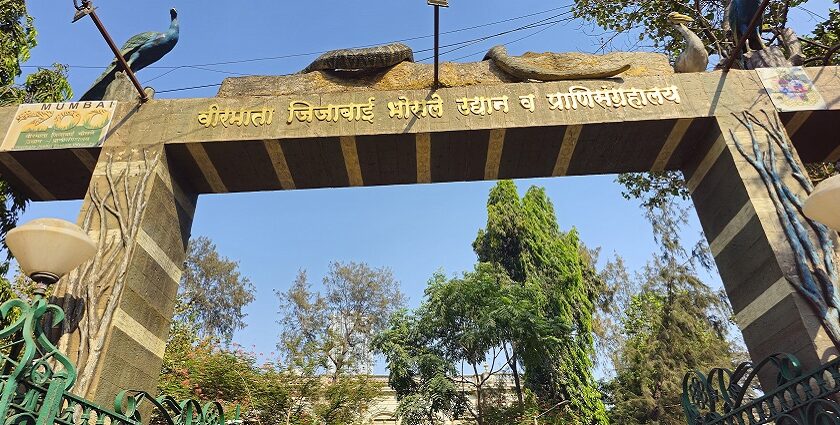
(59, 125)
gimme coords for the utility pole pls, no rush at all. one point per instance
(437, 5)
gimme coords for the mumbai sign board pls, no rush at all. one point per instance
(59, 125)
(441, 3)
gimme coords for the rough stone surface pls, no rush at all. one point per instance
(556, 66)
(415, 76)
(364, 58)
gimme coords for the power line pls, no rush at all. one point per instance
(190, 88)
(294, 55)
(547, 23)
(511, 42)
(537, 24)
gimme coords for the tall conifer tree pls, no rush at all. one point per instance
(523, 237)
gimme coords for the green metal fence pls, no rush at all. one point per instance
(37, 380)
(730, 397)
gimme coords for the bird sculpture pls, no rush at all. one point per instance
(694, 57)
(740, 14)
(139, 52)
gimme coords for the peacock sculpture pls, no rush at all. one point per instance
(740, 14)
(139, 51)
(694, 57)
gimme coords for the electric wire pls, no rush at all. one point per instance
(510, 42)
(294, 55)
(522, 28)
(547, 23)
(462, 44)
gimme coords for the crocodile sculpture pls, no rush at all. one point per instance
(557, 69)
(367, 58)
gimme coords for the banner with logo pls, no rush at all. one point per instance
(59, 125)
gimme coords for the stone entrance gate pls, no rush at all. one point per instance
(140, 188)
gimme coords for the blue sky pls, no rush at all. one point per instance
(415, 230)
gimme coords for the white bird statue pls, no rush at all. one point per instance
(694, 57)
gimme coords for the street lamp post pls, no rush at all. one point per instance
(47, 248)
(437, 5)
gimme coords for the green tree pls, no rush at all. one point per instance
(45, 85)
(337, 326)
(212, 293)
(19, 38)
(522, 237)
(448, 358)
(671, 323)
(648, 22)
(326, 340)
(419, 373)
(201, 369)
(824, 46)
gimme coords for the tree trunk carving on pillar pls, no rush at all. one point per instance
(117, 200)
(815, 260)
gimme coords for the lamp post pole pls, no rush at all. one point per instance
(437, 5)
(437, 46)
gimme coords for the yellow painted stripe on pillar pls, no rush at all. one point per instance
(796, 122)
(351, 160)
(208, 170)
(674, 139)
(742, 217)
(706, 164)
(278, 161)
(26, 178)
(161, 258)
(567, 149)
(139, 333)
(494, 154)
(763, 303)
(423, 151)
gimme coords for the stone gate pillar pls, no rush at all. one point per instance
(748, 220)
(119, 305)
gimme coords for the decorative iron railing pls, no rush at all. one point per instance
(729, 397)
(36, 379)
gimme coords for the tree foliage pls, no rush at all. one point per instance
(825, 42)
(522, 237)
(669, 322)
(419, 372)
(201, 363)
(332, 331)
(448, 359)
(648, 22)
(525, 311)
(45, 85)
(326, 338)
(212, 293)
(19, 38)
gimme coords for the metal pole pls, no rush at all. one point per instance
(743, 40)
(90, 11)
(437, 46)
